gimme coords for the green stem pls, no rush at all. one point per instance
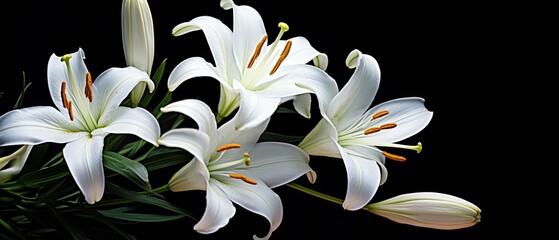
(161, 189)
(315, 193)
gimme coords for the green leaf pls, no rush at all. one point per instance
(132, 170)
(35, 158)
(72, 228)
(146, 98)
(19, 101)
(285, 110)
(123, 213)
(113, 141)
(157, 111)
(44, 176)
(8, 228)
(164, 157)
(142, 198)
(269, 136)
(95, 215)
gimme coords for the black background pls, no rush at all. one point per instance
(447, 54)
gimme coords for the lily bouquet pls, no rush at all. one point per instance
(84, 167)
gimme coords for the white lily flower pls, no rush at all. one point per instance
(351, 132)
(15, 162)
(255, 76)
(429, 210)
(86, 112)
(232, 167)
(137, 40)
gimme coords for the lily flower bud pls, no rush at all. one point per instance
(429, 210)
(12, 164)
(138, 40)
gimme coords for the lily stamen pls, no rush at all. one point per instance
(242, 177)
(388, 125)
(282, 57)
(63, 95)
(393, 156)
(385, 126)
(371, 130)
(70, 111)
(227, 147)
(88, 87)
(257, 51)
(379, 114)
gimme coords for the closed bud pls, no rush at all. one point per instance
(137, 40)
(429, 210)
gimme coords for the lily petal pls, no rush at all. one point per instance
(248, 30)
(258, 198)
(409, 113)
(302, 52)
(302, 104)
(319, 142)
(372, 153)
(199, 111)
(193, 176)
(191, 68)
(312, 80)
(45, 123)
(219, 209)
(254, 109)
(190, 140)
(277, 163)
(363, 180)
(57, 72)
(246, 138)
(16, 160)
(113, 85)
(219, 38)
(137, 121)
(358, 93)
(85, 162)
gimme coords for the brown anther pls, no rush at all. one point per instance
(88, 87)
(257, 51)
(379, 114)
(371, 130)
(70, 112)
(63, 95)
(282, 57)
(242, 177)
(227, 147)
(393, 156)
(388, 125)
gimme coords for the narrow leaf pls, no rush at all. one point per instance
(122, 213)
(74, 230)
(142, 198)
(44, 176)
(132, 170)
(19, 101)
(146, 98)
(269, 136)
